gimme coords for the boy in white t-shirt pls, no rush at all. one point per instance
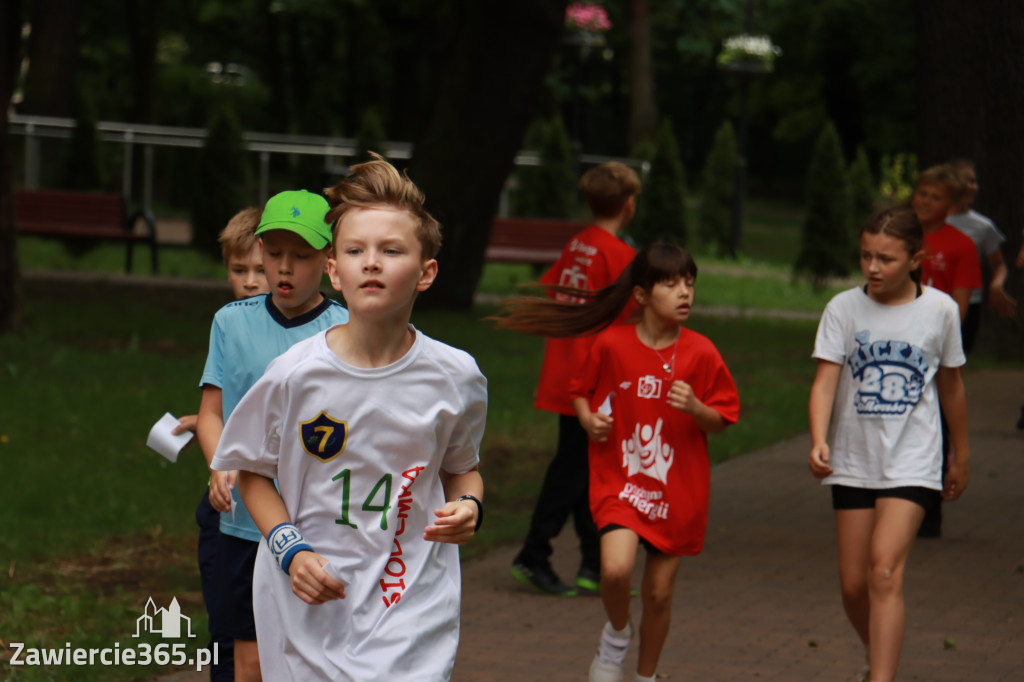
(372, 431)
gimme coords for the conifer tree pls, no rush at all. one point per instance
(547, 190)
(222, 180)
(370, 137)
(863, 192)
(826, 245)
(662, 203)
(719, 193)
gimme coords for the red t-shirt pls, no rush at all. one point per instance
(950, 261)
(652, 474)
(592, 260)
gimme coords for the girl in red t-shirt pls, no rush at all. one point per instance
(648, 396)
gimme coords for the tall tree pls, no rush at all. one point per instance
(485, 102)
(643, 112)
(10, 278)
(971, 93)
(53, 58)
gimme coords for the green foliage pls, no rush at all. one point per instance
(661, 212)
(825, 246)
(899, 177)
(222, 180)
(719, 193)
(547, 190)
(83, 170)
(370, 137)
(863, 191)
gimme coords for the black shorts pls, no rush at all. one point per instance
(231, 614)
(847, 497)
(651, 549)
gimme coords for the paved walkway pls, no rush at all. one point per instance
(762, 601)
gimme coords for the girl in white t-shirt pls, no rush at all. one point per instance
(888, 354)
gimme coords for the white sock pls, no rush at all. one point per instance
(614, 643)
(641, 678)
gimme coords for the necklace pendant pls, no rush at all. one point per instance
(667, 367)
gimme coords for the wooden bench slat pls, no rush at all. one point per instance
(535, 241)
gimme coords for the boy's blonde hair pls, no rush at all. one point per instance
(947, 176)
(378, 183)
(238, 237)
(608, 187)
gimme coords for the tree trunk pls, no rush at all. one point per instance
(10, 279)
(485, 102)
(643, 112)
(53, 58)
(971, 93)
(143, 34)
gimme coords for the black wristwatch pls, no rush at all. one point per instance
(479, 510)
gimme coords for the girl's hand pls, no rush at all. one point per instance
(310, 581)
(186, 423)
(957, 478)
(682, 397)
(455, 523)
(818, 461)
(597, 426)
(221, 483)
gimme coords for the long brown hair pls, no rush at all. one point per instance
(556, 318)
(899, 222)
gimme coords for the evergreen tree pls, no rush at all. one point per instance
(222, 180)
(662, 203)
(719, 193)
(547, 190)
(863, 192)
(370, 136)
(83, 170)
(826, 244)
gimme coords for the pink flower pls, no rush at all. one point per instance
(587, 17)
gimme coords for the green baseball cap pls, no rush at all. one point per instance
(301, 212)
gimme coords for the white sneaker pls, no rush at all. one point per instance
(607, 663)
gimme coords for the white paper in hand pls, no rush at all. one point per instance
(606, 406)
(163, 441)
(331, 570)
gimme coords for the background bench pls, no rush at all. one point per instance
(535, 241)
(83, 215)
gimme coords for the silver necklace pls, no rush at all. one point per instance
(667, 364)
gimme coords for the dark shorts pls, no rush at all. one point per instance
(651, 549)
(231, 613)
(846, 497)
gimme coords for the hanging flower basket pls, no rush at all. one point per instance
(748, 54)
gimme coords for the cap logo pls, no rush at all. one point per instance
(296, 212)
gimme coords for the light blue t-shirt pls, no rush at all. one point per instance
(246, 335)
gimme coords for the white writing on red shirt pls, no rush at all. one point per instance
(647, 502)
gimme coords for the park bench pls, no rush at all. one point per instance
(83, 215)
(535, 241)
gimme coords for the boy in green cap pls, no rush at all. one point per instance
(246, 335)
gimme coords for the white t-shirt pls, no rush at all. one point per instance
(357, 454)
(885, 430)
(986, 237)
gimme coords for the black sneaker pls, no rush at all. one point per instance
(1020, 421)
(588, 580)
(542, 579)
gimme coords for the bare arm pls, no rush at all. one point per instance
(998, 298)
(209, 425)
(823, 395)
(596, 424)
(310, 582)
(963, 300)
(954, 406)
(456, 521)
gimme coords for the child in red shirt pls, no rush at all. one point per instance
(647, 397)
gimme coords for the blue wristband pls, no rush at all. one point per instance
(285, 541)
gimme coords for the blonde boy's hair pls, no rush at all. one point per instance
(947, 176)
(378, 183)
(238, 238)
(608, 187)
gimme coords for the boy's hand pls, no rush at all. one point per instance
(186, 423)
(818, 461)
(682, 397)
(310, 582)
(221, 483)
(597, 426)
(455, 523)
(1000, 301)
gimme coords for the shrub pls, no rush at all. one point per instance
(661, 212)
(222, 180)
(826, 245)
(719, 192)
(863, 191)
(547, 190)
(370, 137)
